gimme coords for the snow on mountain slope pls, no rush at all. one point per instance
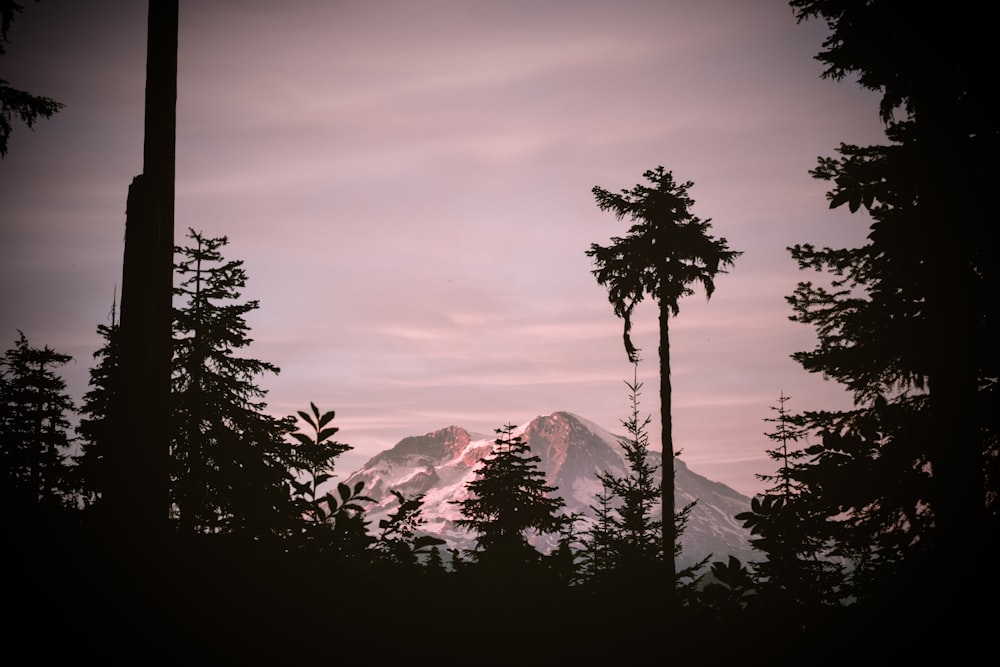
(572, 450)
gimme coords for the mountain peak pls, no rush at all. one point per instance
(439, 466)
(438, 446)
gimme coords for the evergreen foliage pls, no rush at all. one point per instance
(786, 433)
(95, 427)
(507, 500)
(601, 536)
(435, 562)
(908, 321)
(231, 462)
(625, 540)
(937, 170)
(16, 103)
(35, 433)
(788, 526)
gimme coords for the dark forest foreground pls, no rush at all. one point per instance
(70, 595)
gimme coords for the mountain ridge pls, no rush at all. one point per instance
(438, 465)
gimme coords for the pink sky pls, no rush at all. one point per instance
(408, 183)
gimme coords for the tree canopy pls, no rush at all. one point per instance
(666, 250)
(15, 103)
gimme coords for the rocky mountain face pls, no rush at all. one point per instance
(572, 450)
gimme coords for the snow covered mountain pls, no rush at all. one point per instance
(572, 450)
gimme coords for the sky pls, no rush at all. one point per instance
(409, 186)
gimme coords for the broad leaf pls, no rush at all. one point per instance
(308, 418)
(326, 418)
(326, 433)
(333, 502)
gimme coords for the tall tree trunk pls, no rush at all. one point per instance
(947, 196)
(137, 494)
(667, 482)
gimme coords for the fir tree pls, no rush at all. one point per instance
(789, 525)
(601, 536)
(624, 544)
(785, 434)
(435, 562)
(96, 427)
(626, 538)
(908, 321)
(231, 463)
(34, 429)
(508, 500)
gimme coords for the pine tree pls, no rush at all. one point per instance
(789, 524)
(625, 544)
(231, 463)
(34, 430)
(626, 539)
(786, 433)
(95, 428)
(601, 536)
(508, 499)
(435, 562)
(908, 321)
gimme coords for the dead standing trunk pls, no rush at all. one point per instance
(138, 492)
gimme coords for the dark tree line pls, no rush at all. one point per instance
(34, 430)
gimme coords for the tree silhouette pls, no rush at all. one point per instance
(313, 457)
(666, 250)
(508, 499)
(602, 536)
(13, 102)
(913, 324)
(786, 433)
(626, 540)
(34, 429)
(96, 427)
(329, 517)
(231, 463)
(401, 539)
(789, 525)
(146, 325)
